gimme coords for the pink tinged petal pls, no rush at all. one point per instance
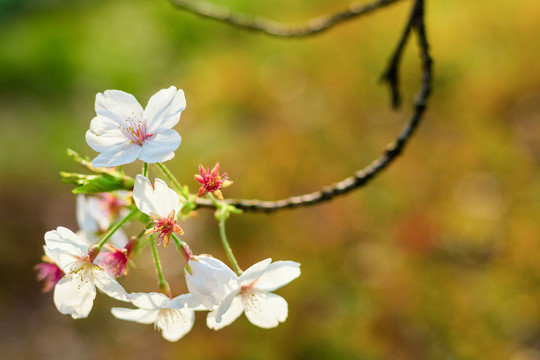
(226, 304)
(251, 275)
(142, 316)
(265, 310)
(154, 200)
(117, 155)
(232, 313)
(160, 147)
(149, 300)
(117, 105)
(164, 108)
(75, 296)
(277, 275)
(175, 323)
(108, 285)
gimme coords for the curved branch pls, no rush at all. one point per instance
(269, 27)
(392, 151)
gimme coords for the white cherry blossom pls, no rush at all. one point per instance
(123, 131)
(253, 295)
(209, 280)
(173, 317)
(160, 203)
(75, 292)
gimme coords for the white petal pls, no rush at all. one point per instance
(66, 242)
(117, 155)
(160, 147)
(226, 304)
(119, 239)
(108, 285)
(277, 275)
(164, 108)
(149, 300)
(158, 199)
(253, 273)
(117, 105)
(266, 310)
(74, 295)
(137, 315)
(222, 272)
(233, 312)
(175, 323)
(102, 135)
(183, 301)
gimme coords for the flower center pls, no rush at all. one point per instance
(81, 270)
(135, 129)
(164, 227)
(250, 298)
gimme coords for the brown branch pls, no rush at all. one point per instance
(392, 151)
(269, 27)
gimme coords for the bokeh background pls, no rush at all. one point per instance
(438, 258)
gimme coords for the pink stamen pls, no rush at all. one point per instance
(135, 129)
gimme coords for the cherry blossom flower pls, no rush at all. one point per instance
(209, 280)
(212, 181)
(160, 203)
(75, 292)
(123, 131)
(253, 295)
(173, 317)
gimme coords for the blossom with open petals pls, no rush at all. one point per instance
(173, 317)
(123, 131)
(212, 181)
(160, 203)
(75, 292)
(209, 280)
(253, 295)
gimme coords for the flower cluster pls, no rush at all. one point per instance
(100, 253)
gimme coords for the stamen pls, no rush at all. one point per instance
(135, 129)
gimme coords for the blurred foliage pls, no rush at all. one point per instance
(436, 259)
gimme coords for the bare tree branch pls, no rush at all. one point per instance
(269, 27)
(362, 177)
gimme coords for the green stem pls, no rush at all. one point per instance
(171, 177)
(145, 170)
(116, 226)
(141, 244)
(163, 284)
(227, 248)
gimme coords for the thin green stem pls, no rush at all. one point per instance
(171, 177)
(145, 170)
(116, 226)
(141, 244)
(226, 246)
(163, 284)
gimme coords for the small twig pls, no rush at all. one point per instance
(393, 150)
(269, 27)
(391, 74)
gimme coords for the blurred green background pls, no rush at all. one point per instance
(438, 258)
